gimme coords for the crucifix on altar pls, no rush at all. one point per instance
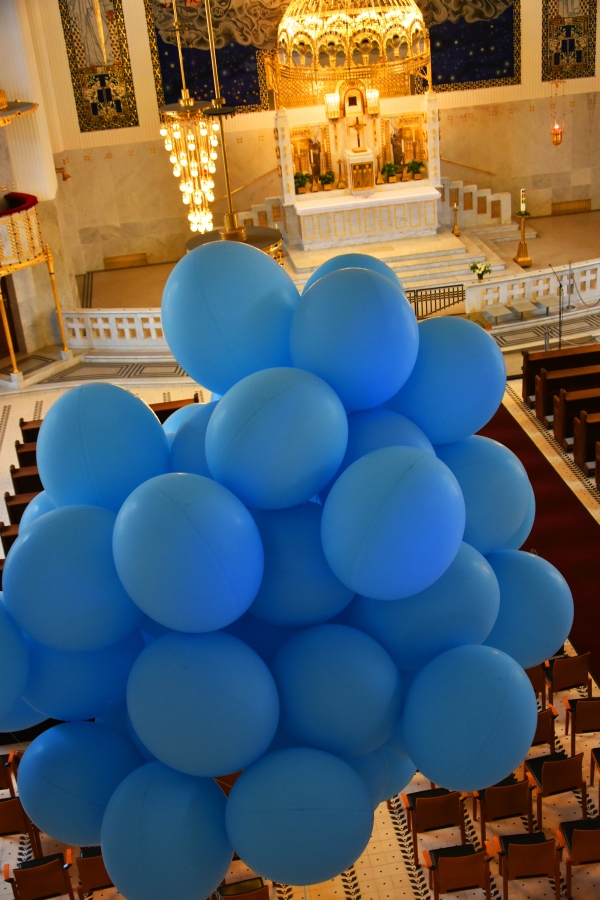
(358, 127)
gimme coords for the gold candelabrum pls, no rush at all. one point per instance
(523, 258)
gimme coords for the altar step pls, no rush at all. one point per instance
(500, 233)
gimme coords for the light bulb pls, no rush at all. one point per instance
(213, 155)
(173, 159)
(191, 147)
(211, 184)
(210, 196)
(214, 142)
(183, 187)
(204, 131)
(168, 146)
(163, 132)
(176, 171)
(176, 134)
(212, 168)
(197, 197)
(215, 126)
(193, 227)
(186, 199)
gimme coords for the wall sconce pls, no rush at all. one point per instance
(62, 171)
(556, 133)
(372, 101)
(332, 106)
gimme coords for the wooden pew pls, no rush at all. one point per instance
(8, 535)
(586, 433)
(16, 503)
(26, 480)
(30, 430)
(597, 472)
(547, 384)
(569, 357)
(164, 410)
(567, 405)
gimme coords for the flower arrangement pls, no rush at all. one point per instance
(300, 181)
(390, 170)
(480, 269)
(414, 167)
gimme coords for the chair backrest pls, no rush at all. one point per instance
(570, 671)
(5, 776)
(531, 859)
(226, 782)
(507, 801)
(585, 846)
(562, 775)
(41, 881)
(248, 887)
(457, 873)
(261, 894)
(438, 812)
(587, 715)
(92, 874)
(12, 817)
(536, 676)
(544, 731)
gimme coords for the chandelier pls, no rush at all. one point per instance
(382, 45)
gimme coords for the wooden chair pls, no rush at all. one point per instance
(566, 672)
(595, 764)
(226, 782)
(14, 820)
(92, 872)
(545, 732)
(537, 677)
(6, 773)
(527, 856)
(556, 774)
(38, 879)
(460, 868)
(507, 800)
(249, 888)
(582, 842)
(432, 811)
(583, 716)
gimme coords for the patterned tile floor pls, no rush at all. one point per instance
(386, 870)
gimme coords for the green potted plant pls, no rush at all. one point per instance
(300, 182)
(389, 171)
(414, 168)
(327, 179)
(480, 269)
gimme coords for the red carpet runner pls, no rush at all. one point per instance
(564, 533)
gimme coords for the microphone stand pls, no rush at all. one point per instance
(560, 307)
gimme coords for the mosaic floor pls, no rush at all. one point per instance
(386, 870)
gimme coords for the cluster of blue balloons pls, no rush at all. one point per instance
(315, 580)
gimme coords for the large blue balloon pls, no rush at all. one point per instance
(299, 816)
(469, 718)
(495, 486)
(35, 508)
(14, 661)
(77, 686)
(298, 587)
(536, 607)
(276, 438)
(384, 772)
(356, 330)
(400, 770)
(264, 637)
(226, 313)
(188, 552)
(393, 523)
(67, 777)
(516, 541)
(155, 815)
(352, 261)
(457, 383)
(459, 608)
(21, 716)
(203, 704)
(187, 449)
(96, 444)
(61, 585)
(339, 690)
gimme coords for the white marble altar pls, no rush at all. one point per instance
(387, 214)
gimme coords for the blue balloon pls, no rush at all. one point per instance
(118, 718)
(355, 329)
(61, 585)
(393, 523)
(298, 587)
(97, 443)
(14, 661)
(157, 814)
(400, 771)
(203, 704)
(495, 486)
(226, 313)
(277, 438)
(457, 383)
(352, 261)
(21, 716)
(76, 686)
(67, 776)
(516, 541)
(459, 608)
(536, 607)
(187, 449)
(35, 508)
(373, 769)
(188, 552)
(263, 637)
(339, 690)
(469, 718)
(299, 816)
(173, 422)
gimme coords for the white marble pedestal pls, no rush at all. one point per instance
(385, 215)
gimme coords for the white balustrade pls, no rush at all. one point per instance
(540, 286)
(114, 329)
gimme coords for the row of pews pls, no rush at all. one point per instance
(563, 386)
(25, 477)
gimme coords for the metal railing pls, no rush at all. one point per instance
(427, 301)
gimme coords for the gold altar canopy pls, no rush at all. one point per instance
(379, 45)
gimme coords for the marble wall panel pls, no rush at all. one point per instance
(6, 174)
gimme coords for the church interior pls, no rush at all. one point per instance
(149, 148)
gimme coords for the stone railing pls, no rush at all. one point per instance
(114, 329)
(541, 286)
